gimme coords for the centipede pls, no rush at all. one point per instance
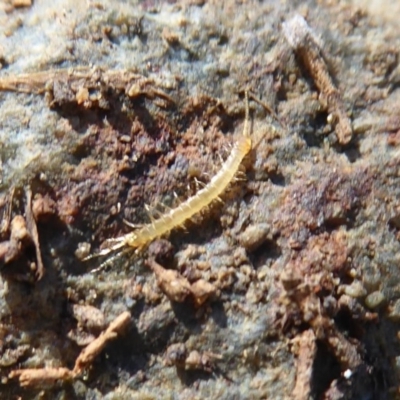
(139, 238)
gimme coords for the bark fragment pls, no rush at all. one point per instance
(303, 40)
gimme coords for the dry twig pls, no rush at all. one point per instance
(42, 377)
(32, 228)
(83, 85)
(302, 39)
(89, 353)
(306, 349)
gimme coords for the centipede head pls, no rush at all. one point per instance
(110, 246)
(110, 260)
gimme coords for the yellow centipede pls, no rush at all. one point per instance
(174, 218)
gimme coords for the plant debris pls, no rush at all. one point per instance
(89, 353)
(31, 225)
(23, 236)
(305, 347)
(303, 40)
(44, 377)
(171, 282)
(84, 86)
(177, 354)
(41, 377)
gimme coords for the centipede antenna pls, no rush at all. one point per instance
(90, 257)
(112, 241)
(110, 260)
(115, 244)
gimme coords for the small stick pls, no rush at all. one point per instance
(306, 348)
(90, 352)
(41, 377)
(6, 220)
(302, 39)
(32, 228)
(47, 377)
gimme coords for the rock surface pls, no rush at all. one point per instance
(106, 106)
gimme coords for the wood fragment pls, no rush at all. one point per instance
(32, 228)
(75, 84)
(171, 282)
(6, 217)
(346, 352)
(90, 352)
(12, 249)
(43, 207)
(21, 3)
(306, 349)
(303, 41)
(41, 377)
(19, 232)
